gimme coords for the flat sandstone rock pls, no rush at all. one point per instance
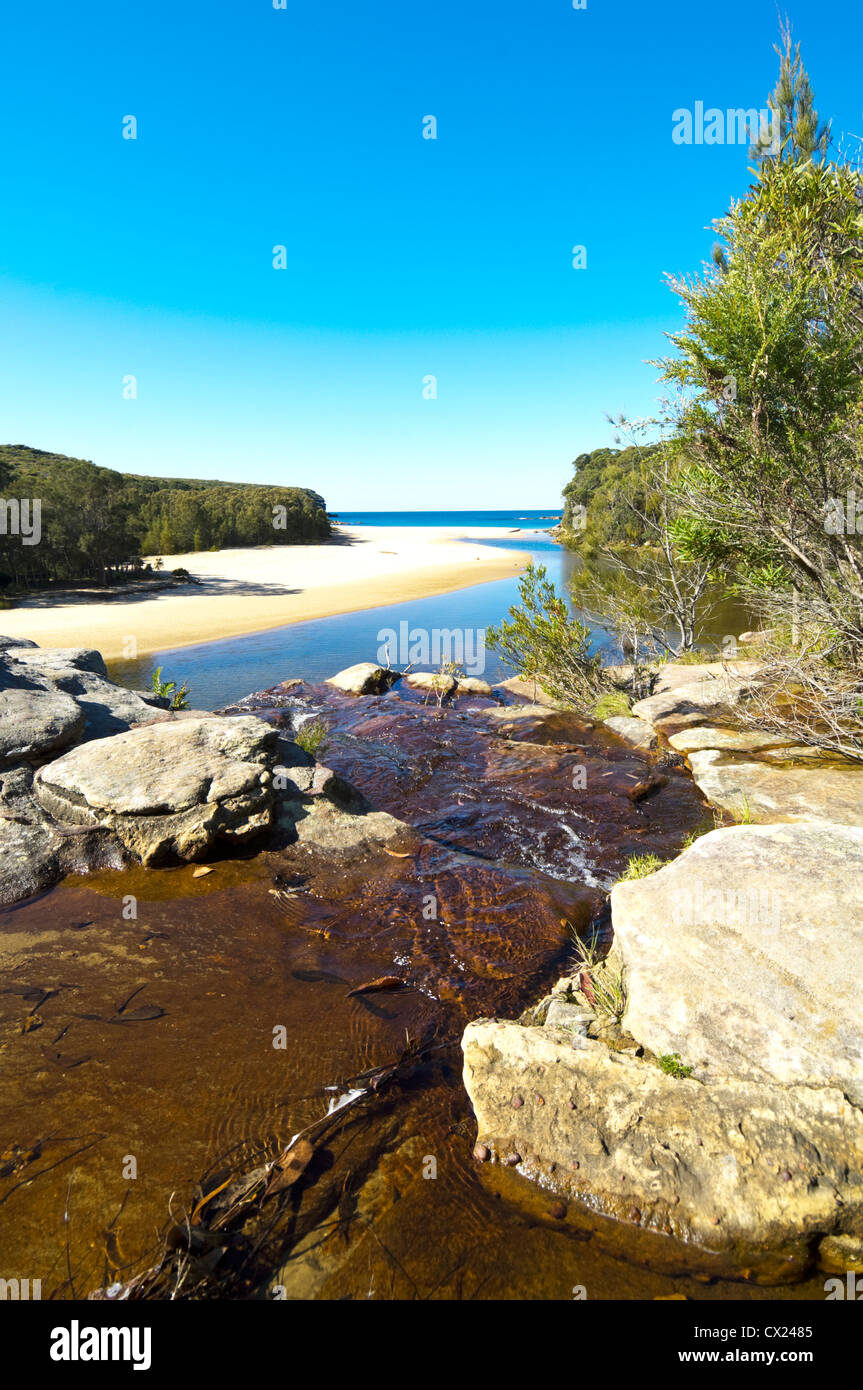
(755, 1173)
(168, 788)
(766, 791)
(745, 955)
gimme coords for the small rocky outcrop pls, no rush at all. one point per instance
(697, 701)
(55, 676)
(633, 731)
(438, 682)
(169, 790)
(365, 678)
(773, 789)
(158, 784)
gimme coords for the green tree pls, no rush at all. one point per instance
(541, 641)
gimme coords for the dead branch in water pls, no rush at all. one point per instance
(223, 1223)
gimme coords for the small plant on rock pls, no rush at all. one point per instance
(311, 737)
(601, 978)
(639, 866)
(169, 690)
(671, 1064)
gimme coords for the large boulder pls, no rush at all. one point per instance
(745, 955)
(170, 789)
(755, 1174)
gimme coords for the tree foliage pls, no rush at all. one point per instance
(541, 641)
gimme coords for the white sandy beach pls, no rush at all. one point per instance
(242, 591)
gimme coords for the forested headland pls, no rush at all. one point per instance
(95, 524)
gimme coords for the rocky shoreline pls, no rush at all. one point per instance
(722, 1103)
(94, 776)
(718, 1101)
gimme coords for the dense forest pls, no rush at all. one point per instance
(595, 500)
(95, 523)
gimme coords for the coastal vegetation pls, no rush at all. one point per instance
(169, 690)
(746, 482)
(95, 524)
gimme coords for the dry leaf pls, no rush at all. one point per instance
(394, 853)
(290, 1166)
(204, 869)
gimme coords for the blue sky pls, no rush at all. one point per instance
(406, 257)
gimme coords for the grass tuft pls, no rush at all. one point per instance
(640, 866)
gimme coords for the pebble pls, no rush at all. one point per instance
(785, 1175)
(517, 1102)
(512, 1160)
(634, 1214)
(481, 1153)
(557, 1210)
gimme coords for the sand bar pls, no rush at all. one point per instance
(242, 591)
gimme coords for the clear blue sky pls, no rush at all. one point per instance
(407, 257)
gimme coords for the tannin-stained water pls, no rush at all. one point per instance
(139, 1010)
